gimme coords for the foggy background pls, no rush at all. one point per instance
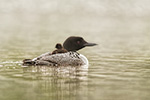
(103, 21)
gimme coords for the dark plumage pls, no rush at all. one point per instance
(59, 49)
(75, 43)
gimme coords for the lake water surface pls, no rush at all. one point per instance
(119, 66)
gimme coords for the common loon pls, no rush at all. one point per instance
(65, 55)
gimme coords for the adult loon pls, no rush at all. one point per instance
(65, 55)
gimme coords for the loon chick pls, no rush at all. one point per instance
(70, 58)
(59, 49)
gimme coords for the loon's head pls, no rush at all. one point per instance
(75, 43)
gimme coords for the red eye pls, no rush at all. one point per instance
(78, 42)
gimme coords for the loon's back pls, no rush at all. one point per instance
(61, 59)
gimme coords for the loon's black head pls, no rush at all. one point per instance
(75, 43)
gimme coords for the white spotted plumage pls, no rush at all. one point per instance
(61, 59)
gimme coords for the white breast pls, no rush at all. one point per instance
(85, 60)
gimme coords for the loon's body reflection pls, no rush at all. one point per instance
(58, 83)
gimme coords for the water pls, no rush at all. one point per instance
(119, 67)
